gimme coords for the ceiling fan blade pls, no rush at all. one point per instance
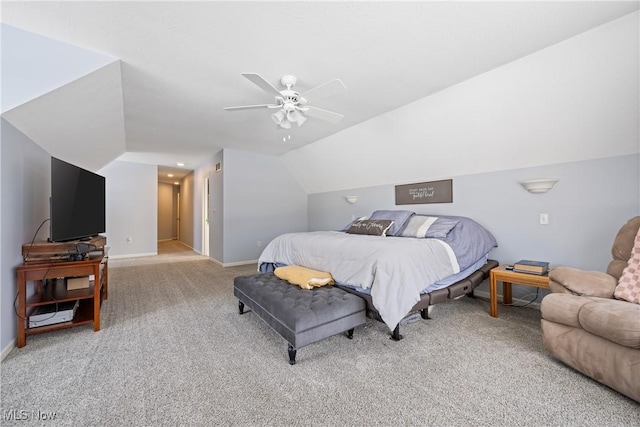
(262, 83)
(251, 107)
(330, 88)
(319, 113)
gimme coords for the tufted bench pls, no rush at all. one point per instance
(300, 316)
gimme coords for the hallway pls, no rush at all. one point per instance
(168, 251)
(174, 247)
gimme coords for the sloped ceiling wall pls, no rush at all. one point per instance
(573, 101)
(66, 99)
(33, 65)
(94, 100)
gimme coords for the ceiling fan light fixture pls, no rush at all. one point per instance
(286, 124)
(301, 119)
(278, 117)
(292, 116)
(291, 105)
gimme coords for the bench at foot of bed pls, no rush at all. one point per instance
(300, 316)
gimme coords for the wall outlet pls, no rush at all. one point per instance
(544, 218)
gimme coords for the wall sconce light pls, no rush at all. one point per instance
(539, 185)
(351, 199)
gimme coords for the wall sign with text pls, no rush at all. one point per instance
(425, 192)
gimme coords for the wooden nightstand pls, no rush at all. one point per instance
(507, 277)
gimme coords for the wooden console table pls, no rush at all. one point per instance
(51, 288)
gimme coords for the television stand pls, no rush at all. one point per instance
(50, 287)
(56, 251)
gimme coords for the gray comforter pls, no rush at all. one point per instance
(396, 269)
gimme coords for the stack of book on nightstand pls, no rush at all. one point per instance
(531, 267)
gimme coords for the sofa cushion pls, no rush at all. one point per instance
(581, 282)
(622, 245)
(614, 320)
(628, 288)
(604, 361)
(563, 308)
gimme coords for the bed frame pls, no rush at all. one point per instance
(455, 290)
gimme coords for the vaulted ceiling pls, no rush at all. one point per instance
(181, 63)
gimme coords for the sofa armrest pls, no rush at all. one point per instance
(581, 282)
(563, 308)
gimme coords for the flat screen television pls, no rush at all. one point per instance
(77, 202)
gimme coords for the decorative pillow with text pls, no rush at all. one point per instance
(398, 217)
(372, 227)
(628, 288)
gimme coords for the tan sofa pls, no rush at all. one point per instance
(587, 329)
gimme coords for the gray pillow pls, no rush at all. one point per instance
(399, 219)
(428, 226)
(346, 227)
(371, 227)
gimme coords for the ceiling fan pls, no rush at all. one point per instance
(292, 106)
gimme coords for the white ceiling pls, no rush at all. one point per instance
(182, 61)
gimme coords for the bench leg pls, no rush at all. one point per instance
(396, 334)
(292, 355)
(241, 307)
(350, 333)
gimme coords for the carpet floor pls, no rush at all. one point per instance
(173, 350)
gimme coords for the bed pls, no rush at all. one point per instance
(400, 262)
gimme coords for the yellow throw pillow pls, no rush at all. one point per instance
(304, 277)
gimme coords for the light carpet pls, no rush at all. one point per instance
(174, 351)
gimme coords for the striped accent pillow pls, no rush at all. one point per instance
(428, 226)
(628, 288)
(399, 219)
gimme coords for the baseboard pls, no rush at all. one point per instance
(133, 255)
(190, 247)
(515, 301)
(234, 264)
(7, 349)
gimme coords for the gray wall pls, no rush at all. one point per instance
(132, 203)
(25, 187)
(216, 228)
(261, 201)
(166, 218)
(586, 208)
(253, 199)
(189, 215)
